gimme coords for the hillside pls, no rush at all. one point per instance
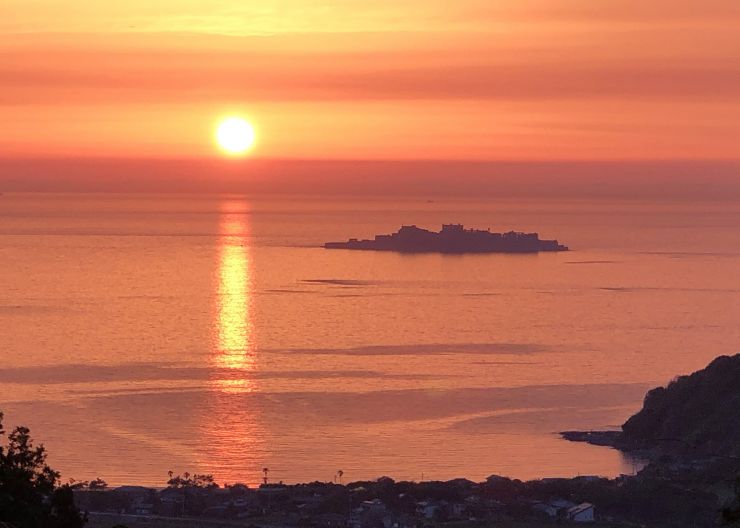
(697, 414)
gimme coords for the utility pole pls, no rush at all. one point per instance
(265, 471)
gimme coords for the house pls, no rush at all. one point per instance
(554, 508)
(137, 500)
(498, 479)
(215, 512)
(331, 520)
(428, 509)
(584, 512)
(372, 514)
(132, 490)
(142, 508)
(172, 502)
(588, 478)
(308, 502)
(457, 510)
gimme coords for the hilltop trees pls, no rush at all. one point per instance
(731, 514)
(30, 496)
(186, 480)
(696, 415)
(192, 489)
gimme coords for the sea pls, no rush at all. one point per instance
(141, 334)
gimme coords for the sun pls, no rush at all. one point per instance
(235, 135)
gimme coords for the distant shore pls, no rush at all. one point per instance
(599, 438)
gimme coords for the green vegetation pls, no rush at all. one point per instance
(731, 514)
(98, 520)
(153, 522)
(697, 414)
(524, 524)
(188, 481)
(30, 494)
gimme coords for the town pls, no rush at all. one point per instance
(668, 492)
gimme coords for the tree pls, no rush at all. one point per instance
(97, 484)
(193, 489)
(64, 513)
(186, 480)
(731, 514)
(30, 496)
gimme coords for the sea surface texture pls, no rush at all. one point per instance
(141, 334)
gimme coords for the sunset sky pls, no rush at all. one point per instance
(433, 79)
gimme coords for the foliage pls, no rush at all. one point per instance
(186, 480)
(97, 484)
(193, 488)
(29, 493)
(731, 514)
(696, 414)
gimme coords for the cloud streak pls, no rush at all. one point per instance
(471, 80)
(185, 76)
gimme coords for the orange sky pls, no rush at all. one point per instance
(471, 79)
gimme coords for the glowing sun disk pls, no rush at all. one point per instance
(235, 135)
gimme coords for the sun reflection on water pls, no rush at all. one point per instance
(234, 446)
(234, 332)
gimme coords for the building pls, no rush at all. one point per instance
(372, 514)
(557, 508)
(584, 512)
(428, 509)
(331, 520)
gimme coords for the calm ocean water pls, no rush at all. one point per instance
(146, 333)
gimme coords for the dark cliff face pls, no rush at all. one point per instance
(695, 414)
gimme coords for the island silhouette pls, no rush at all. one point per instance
(453, 238)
